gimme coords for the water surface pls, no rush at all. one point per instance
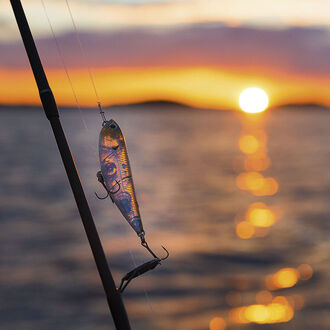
(185, 164)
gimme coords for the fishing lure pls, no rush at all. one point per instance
(116, 178)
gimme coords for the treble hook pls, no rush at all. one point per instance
(101, 180)
(98, 197)
(114, 192)
(145, 245)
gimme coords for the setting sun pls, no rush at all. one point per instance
(253, 100)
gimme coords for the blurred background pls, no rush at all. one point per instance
(224, 106)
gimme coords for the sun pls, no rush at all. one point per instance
(253, 100)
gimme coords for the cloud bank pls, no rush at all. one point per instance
(294, 51)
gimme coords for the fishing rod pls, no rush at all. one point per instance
(115, 302)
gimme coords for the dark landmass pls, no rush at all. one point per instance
(303, 106)
(159, 104)
(166, 105)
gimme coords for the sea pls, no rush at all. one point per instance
(240, 201)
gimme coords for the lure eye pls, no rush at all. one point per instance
(113, 126)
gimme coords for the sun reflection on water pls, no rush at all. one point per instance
(284, 278)
(288, 277)
(278, 311)
(257, 184)
(253, 145)
(256, 222)
(217, 323)
(249, 144)
(244, 230)
(259, 215)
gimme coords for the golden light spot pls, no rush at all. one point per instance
(305, 271)
(254, 181)
(253, 100)
(264, 297)
(267, 187)
(261, 216)
(289, 314)
(249, 181)
(272, 186)
(257, 184)
(249, 144)
(283, 313)
(284, 278)
(217, 323)
(257, 313)
(244, 230)
(277, 311)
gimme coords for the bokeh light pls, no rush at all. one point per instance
(257, 184)
(259, 215)
(217, 323)
(284, 278)
(249, 144)
(278, 311)
(244, 230)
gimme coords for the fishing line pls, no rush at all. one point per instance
(146, 294)
(147, 298)
(60, 54)
(86, 62)
(98, 102)
(63, 63)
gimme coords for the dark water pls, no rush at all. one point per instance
(185, 164)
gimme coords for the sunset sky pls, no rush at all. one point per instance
(202, 53)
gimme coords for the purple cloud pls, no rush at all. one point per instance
(303, 51)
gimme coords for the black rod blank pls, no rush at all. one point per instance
(115, 302)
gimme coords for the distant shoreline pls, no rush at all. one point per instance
(163, 105)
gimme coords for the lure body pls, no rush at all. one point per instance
(117, 174)
(116, 177)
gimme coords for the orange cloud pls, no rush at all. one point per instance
(200, 65)
(195, 86)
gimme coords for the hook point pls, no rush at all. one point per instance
(167, 253)
(101, 197)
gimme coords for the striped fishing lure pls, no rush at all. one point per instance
(117, 174)
(116, 178)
